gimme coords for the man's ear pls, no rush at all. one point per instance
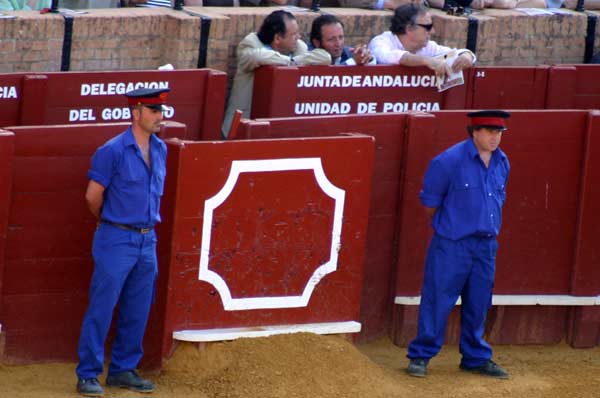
(316, 43)
(136, 112)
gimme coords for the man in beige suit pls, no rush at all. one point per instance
(276, 43)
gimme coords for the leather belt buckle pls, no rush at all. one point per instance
(145, 230)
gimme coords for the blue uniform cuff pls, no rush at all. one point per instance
(379, 5)
(99, 178)
(430, 200)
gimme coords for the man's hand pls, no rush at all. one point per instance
(464, 61)
(361, 54)
(439, 66)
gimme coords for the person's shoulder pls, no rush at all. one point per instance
(116, 143)
(251, 39)
(452, 154)
(301, 47)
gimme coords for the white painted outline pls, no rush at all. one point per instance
(260, 166)
(520, 299)
(208, 335)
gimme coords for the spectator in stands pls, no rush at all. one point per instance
(328, 33)
(276, 43)
(408, 43)
(375, 4)
(16, 5)
(126, 184)
(463, 191)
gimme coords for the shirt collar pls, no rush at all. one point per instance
(129, 139)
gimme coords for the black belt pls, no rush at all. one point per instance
(127, 227)
(483, 235)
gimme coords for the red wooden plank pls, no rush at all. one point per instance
(44, 312)
(10, 98)
(585, 279)
(508, 87)
(50, 174)
(60, 241)
(48, 275)
(74, 140)
(97, 97)
(323, 90)
(286, 238)
(7, 142)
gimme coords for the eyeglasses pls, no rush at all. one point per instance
(427, 27)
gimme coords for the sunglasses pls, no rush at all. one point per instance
(427, 27)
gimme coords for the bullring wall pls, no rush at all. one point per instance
(142, 38)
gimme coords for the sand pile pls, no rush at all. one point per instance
(297, 365)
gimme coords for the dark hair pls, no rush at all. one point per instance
(274, 24)
(319, 22)
(405, 16)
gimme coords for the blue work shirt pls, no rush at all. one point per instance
(468, 196)
(132, 190)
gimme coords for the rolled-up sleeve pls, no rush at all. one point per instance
(102, 166)
(435, 185)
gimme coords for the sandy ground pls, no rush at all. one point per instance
(310, 366)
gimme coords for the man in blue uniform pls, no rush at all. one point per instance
(126, 183)
(463, 190)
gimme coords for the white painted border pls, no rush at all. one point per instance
(521, 299)
(263, 331)
(260, 166)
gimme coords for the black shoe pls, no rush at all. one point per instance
(417, 367)
(89, 387)
(489, 368)
(130, 380)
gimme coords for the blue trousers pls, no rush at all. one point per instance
(125, 270)
(462, 268)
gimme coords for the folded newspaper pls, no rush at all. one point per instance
(453, 79)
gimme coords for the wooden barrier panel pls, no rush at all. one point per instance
(10, 98)
(389, 132)
(196, 99)
(264, 233)
(574, 87)
(47, 260)
(538, 243)
(340, 90)
(507, 87)
(7, 144)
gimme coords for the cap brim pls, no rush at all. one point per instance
(156, 107)
(499, 128)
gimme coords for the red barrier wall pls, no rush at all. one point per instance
(574, 87)
(538, 241)
(7, 145)
(322, 90)
(344, 90)
(47, 260)
(254, 229)
(10, 98)
(507, 88)
(196, 99)
(389, 133)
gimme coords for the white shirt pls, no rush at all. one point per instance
(388, 49)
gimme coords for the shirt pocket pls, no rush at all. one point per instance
(499, 187)
(158, 182)
(132, 173)
(466, 193)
